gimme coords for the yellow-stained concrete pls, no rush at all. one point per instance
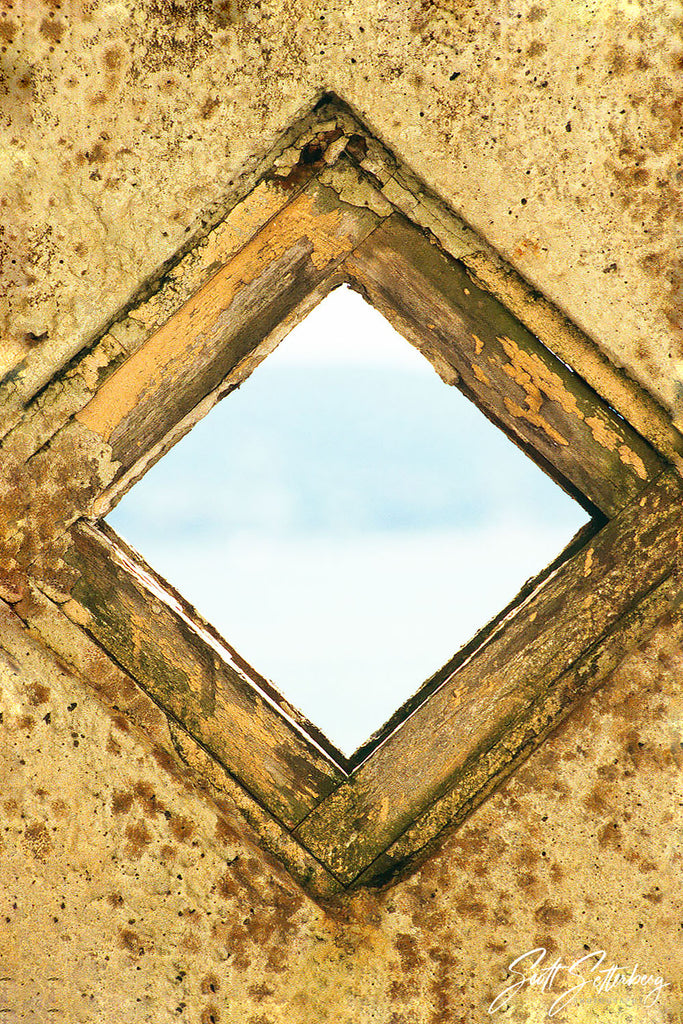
(553, 127)
(151, 903)
(126, 127)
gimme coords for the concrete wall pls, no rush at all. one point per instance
(129, 896)
(554, 128)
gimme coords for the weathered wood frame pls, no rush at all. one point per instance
(335, 215)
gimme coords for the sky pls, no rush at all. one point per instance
(345, 519)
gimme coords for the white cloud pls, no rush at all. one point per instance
(343, 329)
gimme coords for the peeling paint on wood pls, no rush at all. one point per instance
(533, 396)
(224, 321)
(135, 393)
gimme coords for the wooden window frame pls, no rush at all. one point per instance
(333, 208)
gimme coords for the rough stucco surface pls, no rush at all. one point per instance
(151, 906)
(554, 128)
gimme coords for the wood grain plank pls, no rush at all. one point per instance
(75, 384)
(196, 677)
(225, 322)
(500, 685)
(481, 775)
(263, 185)
(472, 339)
(123, 696)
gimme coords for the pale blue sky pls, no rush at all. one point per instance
(346, 520)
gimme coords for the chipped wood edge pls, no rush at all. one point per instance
(112, 494)
(353, 192)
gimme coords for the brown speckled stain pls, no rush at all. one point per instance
(147, 799)
(139, 838)
(121, 803)
(38, 840)
(210, 1015)
(181, 828)
(52, 30)
(38, 694)
(131, 941)
(210, 984)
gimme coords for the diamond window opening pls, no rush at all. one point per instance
(335, 822)
(346, 520)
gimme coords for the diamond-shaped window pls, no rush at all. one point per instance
(345, 520)
(344, 212)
